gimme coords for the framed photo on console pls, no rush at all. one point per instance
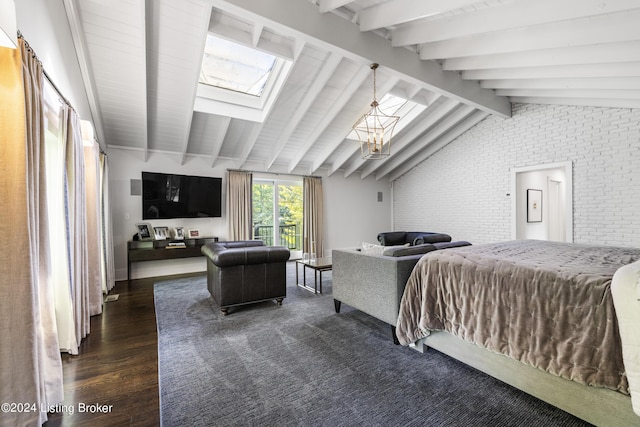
(145, 231)
(178, 233)
(194, 233)
(161, 233)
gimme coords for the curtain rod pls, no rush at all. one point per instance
(274, 173)
(44, 72)
(53, 85)
(66, 101)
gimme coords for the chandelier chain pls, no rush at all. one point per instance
(375, 98)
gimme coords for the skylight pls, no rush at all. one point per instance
(235, 67)
(241, 80)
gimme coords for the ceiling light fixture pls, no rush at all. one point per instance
(375, 129)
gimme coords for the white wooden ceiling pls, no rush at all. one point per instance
(462, 59)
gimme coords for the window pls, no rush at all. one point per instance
(277, 208)
(240, 81)
(232, 66)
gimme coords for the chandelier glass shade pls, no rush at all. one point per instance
(375, 129)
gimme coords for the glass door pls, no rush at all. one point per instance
(277, 214)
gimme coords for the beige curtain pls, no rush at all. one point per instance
(77, 224)
(99, 231)
(239, 206)
(30, 363)
(109, 275)
(313, 216)
(50, 360)
(93, 218)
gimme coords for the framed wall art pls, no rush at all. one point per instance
(534, 205)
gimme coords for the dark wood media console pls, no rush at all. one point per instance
(156, 250)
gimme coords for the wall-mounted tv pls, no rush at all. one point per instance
(167, 196)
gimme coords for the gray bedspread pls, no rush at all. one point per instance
(545, 304)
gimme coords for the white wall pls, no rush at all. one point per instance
(464, 189)
(352, 212)
(44, 25)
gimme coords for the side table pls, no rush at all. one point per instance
(318, 266)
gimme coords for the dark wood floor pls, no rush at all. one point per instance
(117, 364)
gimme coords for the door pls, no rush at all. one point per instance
(556, 183)
(277, 213)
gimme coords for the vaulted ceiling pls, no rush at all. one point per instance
(460, 60)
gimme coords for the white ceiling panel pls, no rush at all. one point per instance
(114, 36)
(463, 59)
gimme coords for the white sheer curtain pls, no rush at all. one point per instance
(239, 208)
(30, 363)
(313, 215)
(59, 247)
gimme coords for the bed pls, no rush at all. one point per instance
(538, 315)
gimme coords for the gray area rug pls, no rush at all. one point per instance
(302, 364)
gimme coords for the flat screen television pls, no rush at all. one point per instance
(166, 196)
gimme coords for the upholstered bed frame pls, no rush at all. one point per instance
(599, 406)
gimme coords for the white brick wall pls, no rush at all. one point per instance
(462, 189)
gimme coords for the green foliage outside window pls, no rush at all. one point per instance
(290, 204)
(289, 222)
(262, 199)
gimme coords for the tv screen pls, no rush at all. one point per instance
(167, 196)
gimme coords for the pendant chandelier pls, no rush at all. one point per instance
(374, 129)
